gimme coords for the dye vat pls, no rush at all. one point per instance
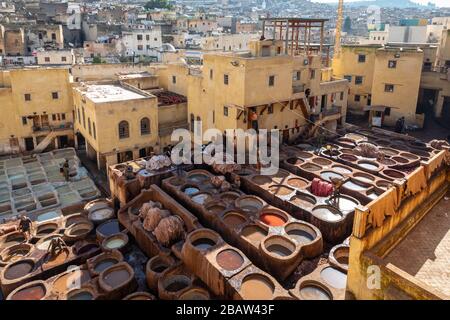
(229, 196)
(44, 243)
(249, 203)
(297, 183)
(335, 278)
(348, 157)
(201, 198)
(157, 265)
(35, 290)
(273, 219)
(229, 259)
(328, 175)
(313, 292)
(14, 253)
(364, 177)
(47, 216)
(322, 161)
(195, 294)
(401, 160)
(116, 241)
(327, 213)
(300, 233)
(387, 162)
(355, 186)
(261, 180)
(116, 276)
(372, 166)
(101, 215)
(280, 190)
(198, 178)
(18, 269)
(191, 190)
(389, 152)
(46, 229)
(175, 283)
(344, 204)
(104, 264)
(341, 169)
(394, 174)
(304, 155)
(295, 161)
(340, 256)
(70, 280)
(279, 246)
(310, 167)
(56, 260)
(78, 230)
(257, 287)
(215, 208)
(203, 243)
(303, 200)
(233, 219)
(80, 294)
(108, 228)
(254, 233)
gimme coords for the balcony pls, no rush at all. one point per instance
(298, 88)
(48, 128)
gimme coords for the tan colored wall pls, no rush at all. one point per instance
(14, 42)
(180, 71)
(106, 71)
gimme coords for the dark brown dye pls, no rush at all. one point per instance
(279, 250)
(177, 285)
(109, 228)
(18, 270)
(280, 190)
(295, 161)
(78, 231)
(87, 248)
(103, 264)
(36, 292)
(46, 230)
(400, 159)
(229, 260)
(203, 243)
(393, 173)
(297, 183)
(117, 277)
(342, 260)
(159, 268)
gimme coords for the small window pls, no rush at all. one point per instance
(24, 121)
(388, 88)
(298, 75)
(174, 79)
(225, 111)
(357, 97)
(47, 59)
(145, 126)
(358, 79)
(342, 96)
(27, 96)
(89, 126)
(225, 79)
(79, 118)
(211, 74)
(139, 36)
(147, 47)
(312, 74)
(271, 81)
(192, 122)
(387, 111)
(124, 130)
(54, 117)
(53, 36)
(140, 47)
(349, 78)
(270, 108)
(361, 58)
(156, 39)
(147, 37)
(93, 130)
(55, 95)
(63, 59)
(392, 64)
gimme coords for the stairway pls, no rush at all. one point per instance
(44, 143)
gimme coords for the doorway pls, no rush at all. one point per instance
(63, 141)
(29, 144)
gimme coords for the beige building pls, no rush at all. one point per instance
(55, 57)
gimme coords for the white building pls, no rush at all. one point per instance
(142, 42)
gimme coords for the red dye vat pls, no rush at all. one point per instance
(272, 219)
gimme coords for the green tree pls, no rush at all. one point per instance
(97, 60)
(347, 25)
(157, 4)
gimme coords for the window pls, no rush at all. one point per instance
(388, 88)
(145, 126)
(139, 37)
(27, 96)
(174, 79)
(89, 126)
(79, 118)
(358, 79)
(54, 117)
(156, 39)
(192, 122)
(270, 108)
(387, 111)
(53, 36)
(225, 79)
(271, 81)
(63, 59)
(342, 96)
(147, 37)
(47, 59)
(140, 47)
(55, 95)
(298, 75)
(392, 64)
(349, 78)
(225, 111)
(211, 74)
(357, 98)
(361, 58)
(147, 47)
(84, 118)
(94, 131)
(24, 121)
(124, 130)
(63, 116)
(312, 74)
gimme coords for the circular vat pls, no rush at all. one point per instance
(44, 243)
(46, 228)
(399, 159)
(108, 228)
(382, 142)
(327, 213)
(409, 156)
(190, 189)
(35, 290)
(195, 294)
(96, 204)
(80, 294)
(249, 203)
(294, 161)
(257, 287)
(12, 238)
(254, 233)
(322, 161)
(418, 144)
(74, 219)
(229, 259)
(176, 181)
(70, 280)
(157, 265)
(348, 157)
(364, 177)
(140, 296)
(346, 141)
(331, 153)
(368, 165)
(304, 154)
(339, 255)
(420, 153)
(203, 239)
(115, 242)
(280, 175)
(197, 177)
(387, 162)
(334, 277)
(342, 169)
(383, 184)
(105, 260)
(303, 200)
(115, 276)
(279, 246)
(234, 219)
(100, 215)
(176, 282)
(201, 198)
(18, 269)
(86, 248)
(280, 190)
(261, 179)
(311, 290)
(347, 151)
(273, 218)
(400, 147)
(389, 151)
(215, 207)
(310, 167)
(297, 183)
(14, 252)
(355, 185)
(328, 175)
(79, 230)
(355, 137)
(300, 233)
(394, 174)
(345, 203)
(229, 196)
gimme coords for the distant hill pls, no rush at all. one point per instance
(383, 3)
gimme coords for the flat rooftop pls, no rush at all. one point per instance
(100, 93)
(425, 252)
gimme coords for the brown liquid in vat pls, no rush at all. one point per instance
(18, 270)
(256, 287)
(229, 260)
(117, 277)
(36, 292)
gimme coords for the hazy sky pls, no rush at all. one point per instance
(440, 3)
